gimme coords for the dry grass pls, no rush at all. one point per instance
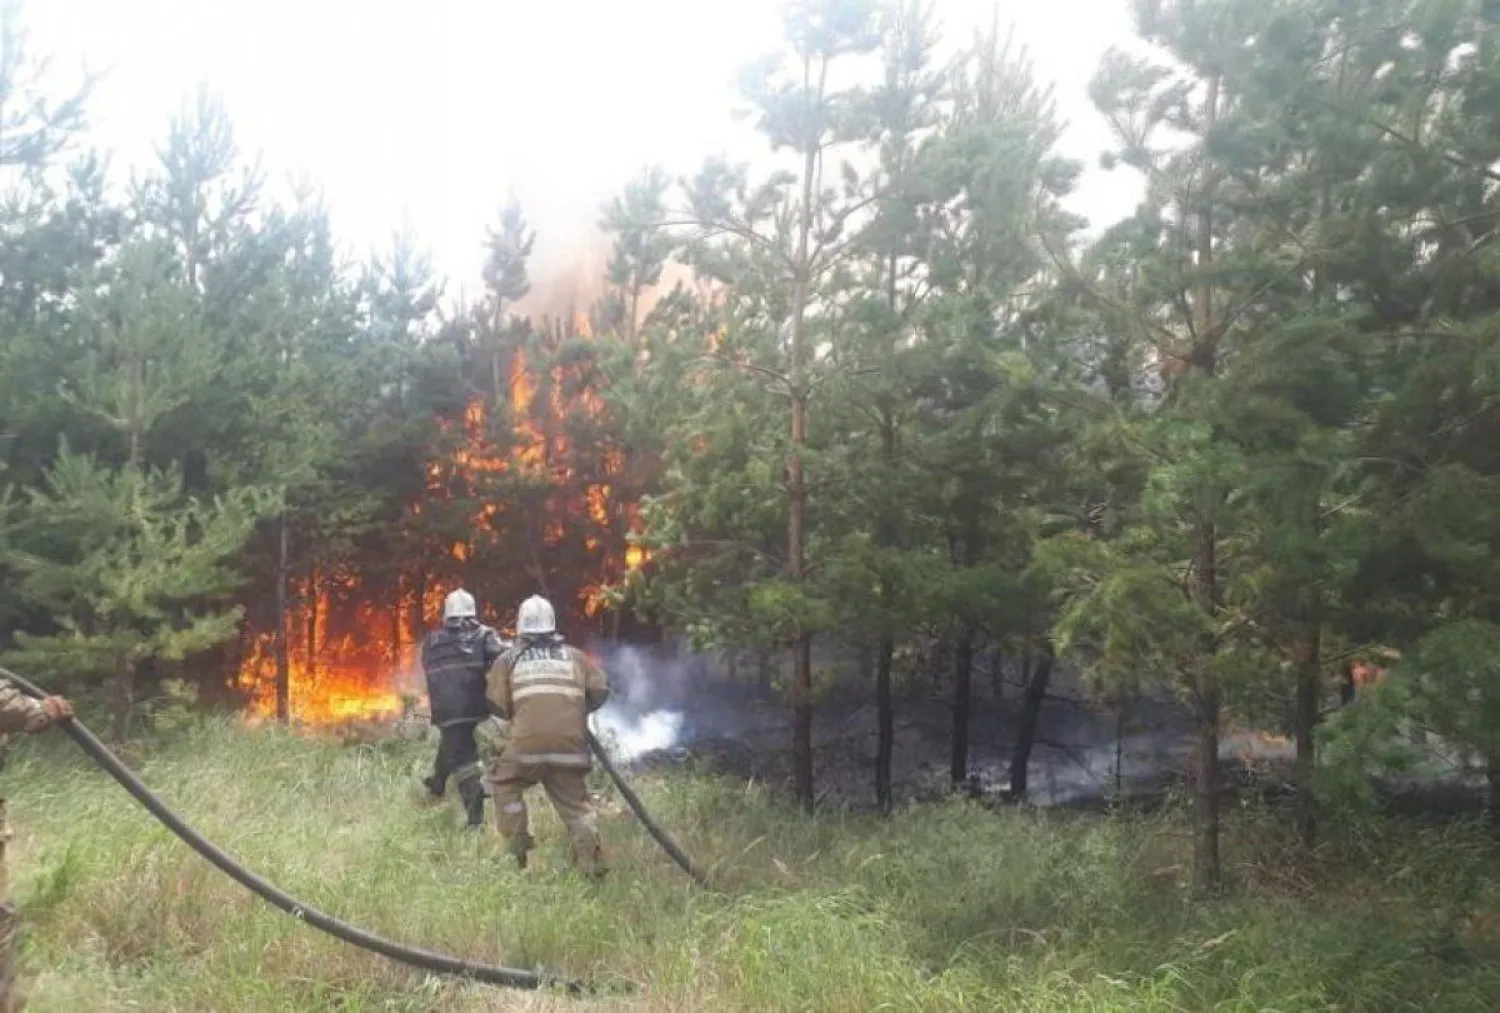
(946, 907)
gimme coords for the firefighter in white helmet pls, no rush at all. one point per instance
(455, 660)
(546, 688)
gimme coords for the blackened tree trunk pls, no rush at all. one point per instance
(312, 621)
(802, 720)
(419, 598)
(886, 721)
(1492, 773)
(1027, 720)
(123, 692)
(796, 477)
(963, 685)
(1207, 872)
(283, 662)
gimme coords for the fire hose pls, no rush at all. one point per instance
(439, 963)
(631, 799)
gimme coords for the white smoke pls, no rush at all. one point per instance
(628, 738)
(645, 712)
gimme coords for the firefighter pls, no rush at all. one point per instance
(546, 688)
(18, 713)
(455, 660)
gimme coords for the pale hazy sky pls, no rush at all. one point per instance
(429, 112)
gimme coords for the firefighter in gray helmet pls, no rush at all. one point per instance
(455, 660)
(546, 688)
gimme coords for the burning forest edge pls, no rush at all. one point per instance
(345, 647)
(672, 706)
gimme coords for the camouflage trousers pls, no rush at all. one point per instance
(12, 995)
(568, 794)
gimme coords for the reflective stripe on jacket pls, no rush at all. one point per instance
(546, 689)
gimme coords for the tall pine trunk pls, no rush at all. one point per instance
(123, 693)
(796, 479)
(963, 688)
(1492, 776)
(1207, 868)
(802, 756)
(885, 719)
(1027, 721)
(885, 716)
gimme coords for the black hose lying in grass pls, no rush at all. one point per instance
(439, 963)
(631, 799)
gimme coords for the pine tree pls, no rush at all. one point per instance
(1165, 596)
(778, 244)
(120, 556)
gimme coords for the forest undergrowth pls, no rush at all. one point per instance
(942, 907)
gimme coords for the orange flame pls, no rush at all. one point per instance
(355, 666)
(363, 666)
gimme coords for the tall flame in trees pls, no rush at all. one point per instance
(352, 646)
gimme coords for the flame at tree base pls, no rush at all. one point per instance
(356, 664)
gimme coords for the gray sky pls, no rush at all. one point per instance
(430, 113)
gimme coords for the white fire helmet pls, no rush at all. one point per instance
(535, 616)
(459, 605)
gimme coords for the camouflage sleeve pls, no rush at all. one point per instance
(19, 712)
(497, 685)
(595, 685)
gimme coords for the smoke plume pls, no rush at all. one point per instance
(647, 708)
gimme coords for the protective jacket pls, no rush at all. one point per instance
(19, 712)
(546, 689)
(455, 662)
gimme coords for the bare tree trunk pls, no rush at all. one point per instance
(283, 662)
(1119, 749)
(802, 720)
(396, 637)
(418, 601)
(1492, 776)
(314, 600)
(1207, 872)
(963, 685)
(1207, 869)
(796, 478)
(124, 699)
(885, 719)
(498, 369)
(1309, 665)
(1027, 721)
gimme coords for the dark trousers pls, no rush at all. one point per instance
(458, 755)
(456, 751)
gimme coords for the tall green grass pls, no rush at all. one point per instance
(942, 907)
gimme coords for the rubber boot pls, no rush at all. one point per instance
(471, 790)
(519, 846)
(436, 787)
